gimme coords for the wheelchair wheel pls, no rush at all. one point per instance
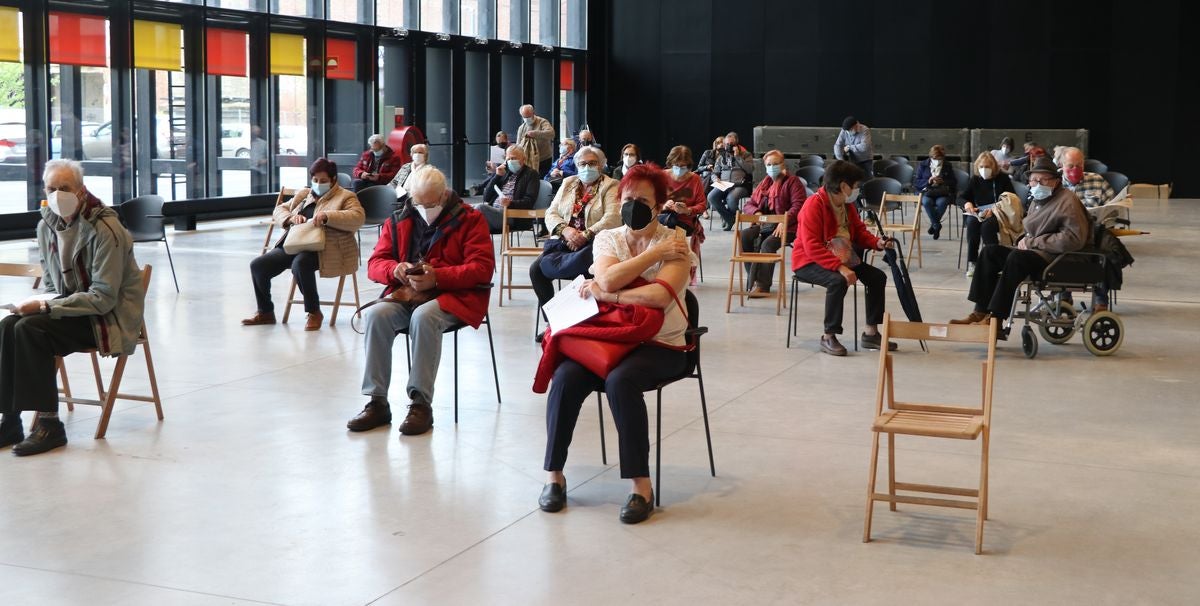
(1058, 334)
(1029, 343)
(1103, 333)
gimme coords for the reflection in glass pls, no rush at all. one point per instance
(81, 123)
(291, 94)
(468, 18)
(438, 104)
(431, 16)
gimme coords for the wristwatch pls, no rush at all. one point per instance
(45, 306)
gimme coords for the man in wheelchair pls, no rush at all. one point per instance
(1056, 223)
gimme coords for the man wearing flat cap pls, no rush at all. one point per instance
(1055, 223)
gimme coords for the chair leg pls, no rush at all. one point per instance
(856, 316)
(892, 469)
(66, 384)
(700, 257)
(153, 378)
(961, 237)
(408, 352)
(172, 262)
(456, 377)
(712, 466)
(981, 505)
(500, 281)
(287, 310)
(600, 415)
(111, 397)
(871, 487)
(492, 349)
(658, 451)
(791, 312)
(729, 293)
(100, 391)
(337, 300)
(779, 292)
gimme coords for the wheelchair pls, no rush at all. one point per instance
(1042, 302)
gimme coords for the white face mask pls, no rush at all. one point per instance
(63, 203)
(935, 163)
(629, 161)
(429, 214)
(528, 121)
(986, 173)
(418, 158)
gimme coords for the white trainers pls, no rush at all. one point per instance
(970, 269)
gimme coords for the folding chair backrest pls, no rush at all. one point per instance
(889, 201)
(743, 218)
(285, 194)
(517, 213)
(23, 270)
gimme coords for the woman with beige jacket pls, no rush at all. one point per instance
(585, 205)
(330, 206)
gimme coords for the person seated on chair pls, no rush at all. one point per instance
(437, 248)
(936, 183)
(377, 166)
(708, 162)
(630, 156)
(495, 158)
(87, 262)
(733, 165)
(563, 166)
(779, 193)
(518, 186)
(1092, 190)
(584, 206)
(586, 139)
(1003, 155)
(987, 182)
(685, 199)
(826, 253)
(1056, 223)
(420, 160)
(643, 248)
(334, 208)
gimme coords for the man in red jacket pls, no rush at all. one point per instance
(825, 253)
(377, 165)
(436, 243)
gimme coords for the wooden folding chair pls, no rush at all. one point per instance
(337, 303)
(739, 257)
(932, 420)
(508, 252)
(108, 396)
(34, 270)
(285, 194)
(886, 227)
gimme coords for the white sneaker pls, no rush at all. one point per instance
(970, 270)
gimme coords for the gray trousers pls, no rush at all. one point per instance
(425, 324)
(493, 214)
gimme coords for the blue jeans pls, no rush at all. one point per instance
(726, 203)
(425, 325)
(935, 208)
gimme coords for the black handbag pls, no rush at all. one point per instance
(559, 262)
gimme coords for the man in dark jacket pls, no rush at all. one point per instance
(435, 244)
(96, 285)
(515, 185)
(1056, 223)
(377, 165)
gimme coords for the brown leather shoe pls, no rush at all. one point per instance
(830, 345)
(758, 292)
(314, 322)
(259, 318)
(974, 318)
(985, 320)
(375, 414)
(418, 421)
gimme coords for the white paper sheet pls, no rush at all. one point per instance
(722, 185)
(567, 308)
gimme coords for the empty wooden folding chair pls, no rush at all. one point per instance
(739, 257)
(892, 202)
(508, 252)
(932, 421)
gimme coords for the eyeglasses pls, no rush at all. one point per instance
(588, 164)
(1042, 180)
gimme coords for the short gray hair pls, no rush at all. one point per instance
(595, 151)
(74, 166)
(373, 139)
(427, 180)
(524, 107)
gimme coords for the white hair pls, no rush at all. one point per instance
(595, 151)
(525, 107)
(428, 180)
(62, 164)
(373, 139)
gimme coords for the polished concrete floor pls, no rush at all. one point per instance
(252, 491)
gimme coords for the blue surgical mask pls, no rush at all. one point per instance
(562, 149)
(679, 171)
(773, 170)
(1041, 192)
(321, 188)
(588, 174)
(514, 166)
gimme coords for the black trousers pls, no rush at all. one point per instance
(304, 267)
(639, 372)
(988, 230)
(835, 285)
(998, 274)
(28, 344)
(757, 239)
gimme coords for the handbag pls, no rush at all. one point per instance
(841, 248)
(559, 262)
(307, 236)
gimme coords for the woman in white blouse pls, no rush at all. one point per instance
(641, 247)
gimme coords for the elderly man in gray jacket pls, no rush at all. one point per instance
(854, 145)
(537, 131)
(96, 285)
(1056, 223)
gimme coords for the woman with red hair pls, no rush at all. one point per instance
(658, 255)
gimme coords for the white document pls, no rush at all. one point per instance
(42, 296)
(499, 192)
(722, 185)
(400, 192)
(979, 210)
(567, 308)
(1119, 199)
(497, 155)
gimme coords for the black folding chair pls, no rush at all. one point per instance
(143, 218)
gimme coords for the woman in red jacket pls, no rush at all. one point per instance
(780, 193)
(825, 253)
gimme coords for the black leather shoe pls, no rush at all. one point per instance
(554, 497)
(48, 435)
(875, 341)
(418, 421)
(11, 431)
(375, 414)
(637, 508)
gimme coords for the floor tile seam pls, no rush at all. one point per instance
(139, 583)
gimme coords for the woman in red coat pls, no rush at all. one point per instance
(780, 193)
(377, 165)
(685, 192)
(825, 253)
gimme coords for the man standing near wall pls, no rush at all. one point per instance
(854, 145)
(537, 133)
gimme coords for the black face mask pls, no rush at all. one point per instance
(503, 145)
(635, 214)
(585, 142)
(729, 147)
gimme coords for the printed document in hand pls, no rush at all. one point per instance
(42, 296)
(722, 185)
(979, 210)
(567, 308)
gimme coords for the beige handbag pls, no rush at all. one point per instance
(307, 236)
